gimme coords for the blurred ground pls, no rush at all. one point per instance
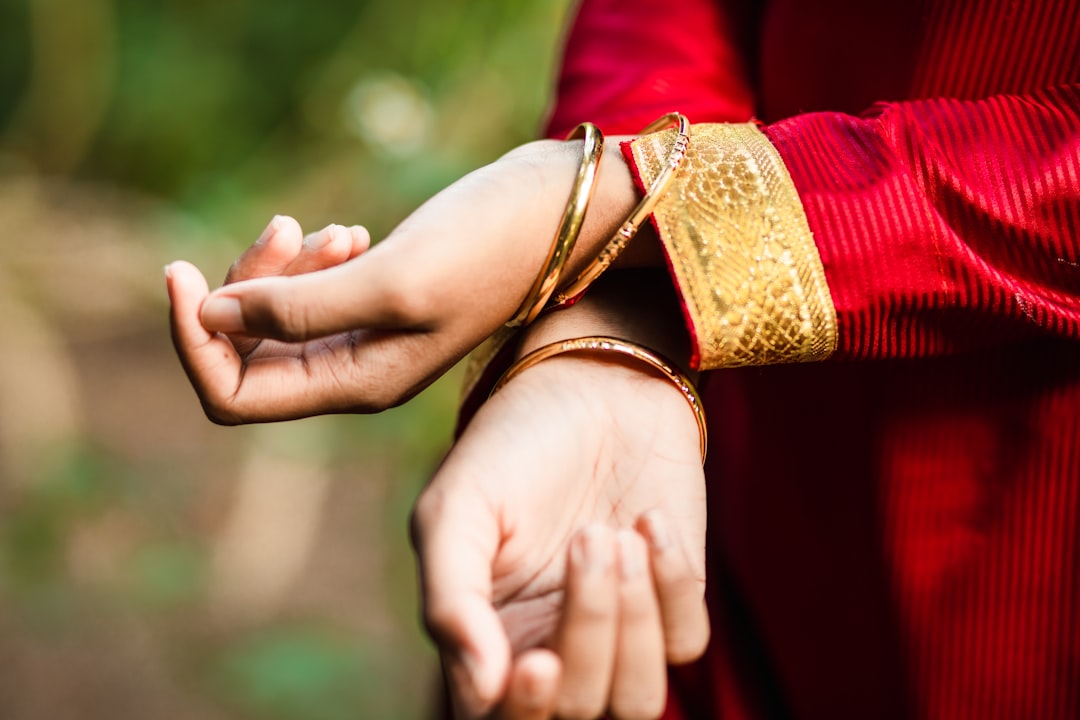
(152, 564)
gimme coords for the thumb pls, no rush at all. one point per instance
(368, 291)
(456, 538)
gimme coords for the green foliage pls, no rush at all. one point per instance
(218, 114)
(293, 673)
(80, 484)
(165, 573)
(213, 104)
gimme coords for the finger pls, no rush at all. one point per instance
(330, 246)
(455, 547)
(211, 362)
(361, 240)
(534, 684)
(428, 275)
(585, 640)
(381, 289)
(271, 253)
(358, 372)
(639, 682)
(680, 591)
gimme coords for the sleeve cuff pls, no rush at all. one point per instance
(739, 248)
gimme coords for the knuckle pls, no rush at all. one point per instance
(218, 417)
(281, 318)
(289, 321)
(218, 412)
(593, 608)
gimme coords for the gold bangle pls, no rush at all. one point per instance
(580, 195)
(600, 343)
(622, 237)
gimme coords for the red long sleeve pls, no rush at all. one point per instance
(944, 225)
(908, 200)
(626, 64)
(899, 536)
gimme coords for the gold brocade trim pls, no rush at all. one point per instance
(742, 252)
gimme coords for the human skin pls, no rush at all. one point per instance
(561, 542)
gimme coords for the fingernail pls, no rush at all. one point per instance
(222, 314)
(168, 271)
(322, 238)
(655, 531)
(630, 560)
(272, 227)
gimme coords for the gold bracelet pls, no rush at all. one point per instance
(569, 229)
(599, 343)
(621, 239)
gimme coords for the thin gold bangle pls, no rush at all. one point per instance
(622, 237)
(569, 229)
(600, 343)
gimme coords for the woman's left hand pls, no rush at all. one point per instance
(561, 545)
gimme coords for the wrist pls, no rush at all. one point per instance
(613, 200)
(638, 305)
(616, 196)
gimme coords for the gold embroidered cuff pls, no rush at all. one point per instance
(742, 253)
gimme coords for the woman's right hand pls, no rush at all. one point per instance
(373, 331)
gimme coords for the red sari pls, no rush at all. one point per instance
(894, 532)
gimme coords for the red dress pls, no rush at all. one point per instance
(894, 532)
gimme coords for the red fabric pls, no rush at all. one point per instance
(896, 532)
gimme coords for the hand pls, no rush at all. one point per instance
(280, 251)
(517, 533)
(370, 332)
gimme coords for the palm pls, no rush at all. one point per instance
(625, 447)
(317, 355)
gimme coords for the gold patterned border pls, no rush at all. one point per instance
(742, 253)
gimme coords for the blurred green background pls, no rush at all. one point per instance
(153, 565)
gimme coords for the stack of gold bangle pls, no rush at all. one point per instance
(622, 237)
(543, 288)
(569, 228)
(603, 344)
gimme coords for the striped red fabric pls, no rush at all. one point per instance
(894, 533)
(944, 228)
